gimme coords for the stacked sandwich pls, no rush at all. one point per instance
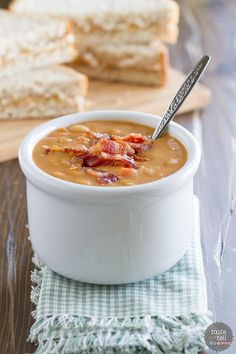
(32, 85)
(119, 40)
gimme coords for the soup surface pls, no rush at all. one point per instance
(108, 153)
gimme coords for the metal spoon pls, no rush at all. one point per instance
(179, 98)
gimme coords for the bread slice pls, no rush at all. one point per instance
(28, 43)
(141, 19)
(43, 93)
(140, 64)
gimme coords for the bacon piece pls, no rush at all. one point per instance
(98, 135)
(90, 160)
(105, 145)
(141, 147)
(108, 178)
(76, 150)
(120, 160)
(122, 147)
(117, 138)
(104, 159)
(136, 142)
(135, 138)
(111, 147)
(103, 177)
(126, 148)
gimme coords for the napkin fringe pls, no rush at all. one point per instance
(84, 335)
(151, 335)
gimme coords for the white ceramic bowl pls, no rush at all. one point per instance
(109, 235)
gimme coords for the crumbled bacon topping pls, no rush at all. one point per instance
(105, 159)
(106, 150)
(135, 138)
(75, 150)
(98, 135)
(102, 176)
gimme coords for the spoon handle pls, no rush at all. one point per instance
(183, 92)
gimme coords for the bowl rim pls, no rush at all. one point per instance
(42, 179)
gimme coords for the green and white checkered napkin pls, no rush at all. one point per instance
(164, 314)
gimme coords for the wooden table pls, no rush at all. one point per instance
(206, 27)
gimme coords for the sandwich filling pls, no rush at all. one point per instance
(124, 56)
(47, 53)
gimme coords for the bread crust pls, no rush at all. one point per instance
(164, 59)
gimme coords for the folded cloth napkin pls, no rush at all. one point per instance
(164, 314)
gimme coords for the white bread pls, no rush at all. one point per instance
(138, 64)
(156, 17)
(43, 93)
(28, 43)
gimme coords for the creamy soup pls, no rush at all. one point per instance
(108, 153)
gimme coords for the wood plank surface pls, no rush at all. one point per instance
(207, 26)
(104, 95)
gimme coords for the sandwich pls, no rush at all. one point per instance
(28, 43)
(132, 63)
(43, 93)
(139, 20)
(118, 40)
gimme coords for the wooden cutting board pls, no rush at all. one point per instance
(111, 96)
